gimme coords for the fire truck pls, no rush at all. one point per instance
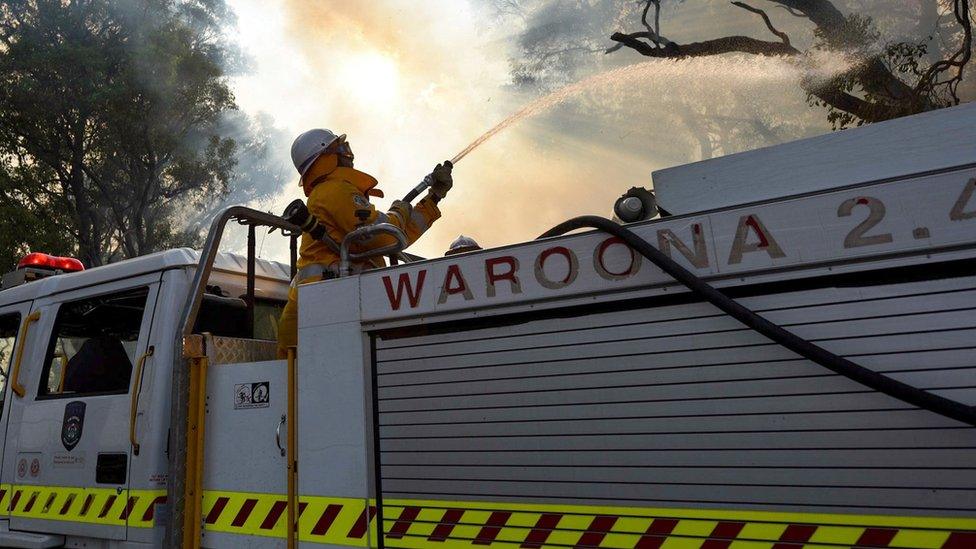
(785, 358)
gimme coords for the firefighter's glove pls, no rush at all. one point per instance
(441, 180)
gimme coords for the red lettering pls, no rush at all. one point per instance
(699, 258)
(752, 223)
(766, 242)
(454, 283)
(573, 268)
(492, 276)
(404, 284)
(601, 267)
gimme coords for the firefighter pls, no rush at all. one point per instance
(338, 196)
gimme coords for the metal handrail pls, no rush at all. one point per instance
(292, 454)
(242, 214)
(178, 414)
(134, 399)
(404, 257)
(364, 233)
(181, 379)
(15, 384)
(63, 359)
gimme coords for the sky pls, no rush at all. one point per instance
(412, 82)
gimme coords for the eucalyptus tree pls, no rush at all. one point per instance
(117, 122)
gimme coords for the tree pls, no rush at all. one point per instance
(559, 42)
(26, 228)
(114, 120)
(880, 85)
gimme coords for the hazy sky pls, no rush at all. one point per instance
(412, 82)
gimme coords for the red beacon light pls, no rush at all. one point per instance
(35, 266)
(38, 260)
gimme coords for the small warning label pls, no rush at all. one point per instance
(252, 395)
(69, 461)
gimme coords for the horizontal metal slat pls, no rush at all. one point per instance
(725, 342)
(904, 459)
(766, 388)
(850, 320)
(912, 438)
(703, 362)
(896, 419)
(742, 373)
(781, 476)
(897, 498)
(863, 400)
(715, 331)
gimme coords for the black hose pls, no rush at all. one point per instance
(869, 378)
(415, 192)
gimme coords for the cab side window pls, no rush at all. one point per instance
(9, 325)
(93, 345)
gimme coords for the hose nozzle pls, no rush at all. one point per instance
(426, 182)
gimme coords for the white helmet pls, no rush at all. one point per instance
(462, 244)
(309, 145)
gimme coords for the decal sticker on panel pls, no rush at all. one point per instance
(73, 424)
(252, 395)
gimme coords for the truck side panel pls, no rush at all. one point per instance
(677, 406)
(567, 393)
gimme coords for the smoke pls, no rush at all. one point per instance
(409, 83)
(412, 83)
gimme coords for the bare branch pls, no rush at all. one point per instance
(958, 61)
(642, 34)
(728, 44)
(647, 7)
(869, 112)
(652, 34)
(885, 96)
(822, 13)
(656, 31)
(769, 24)
(657, 18)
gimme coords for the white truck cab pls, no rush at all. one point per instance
(87, 360)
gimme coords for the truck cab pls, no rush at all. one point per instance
(87, 367)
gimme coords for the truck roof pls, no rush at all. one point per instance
(913, 145)
(178, 258)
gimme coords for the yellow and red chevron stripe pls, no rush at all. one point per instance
(471, 525)
(336, 521)
(107, 506)
(415, 524)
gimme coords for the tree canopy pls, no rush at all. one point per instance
(118, 128)
(904, 57)
(885, 81)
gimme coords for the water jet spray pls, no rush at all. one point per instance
(728, 70)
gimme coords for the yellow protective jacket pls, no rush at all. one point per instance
(339, 198)
(340, 202)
